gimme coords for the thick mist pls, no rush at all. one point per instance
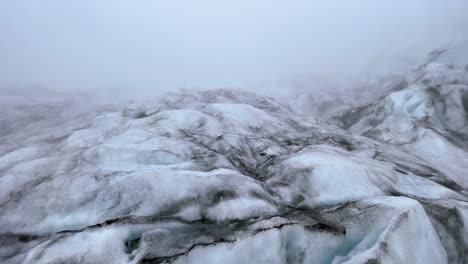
(140, 49)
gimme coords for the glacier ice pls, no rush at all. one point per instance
(229, 176)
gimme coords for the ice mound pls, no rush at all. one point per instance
(428, 116)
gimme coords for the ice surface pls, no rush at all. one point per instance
(325, 176)
(428, 117)
(226, 176)
(22, 154)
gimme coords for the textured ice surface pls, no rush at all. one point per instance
(229, 177)
(428, 117)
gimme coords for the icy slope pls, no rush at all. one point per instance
(220, 176)
(428, 116)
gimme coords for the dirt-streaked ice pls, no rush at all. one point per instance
(232, 177)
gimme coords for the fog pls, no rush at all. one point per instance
(143, 48)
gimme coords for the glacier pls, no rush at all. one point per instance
(228, 176)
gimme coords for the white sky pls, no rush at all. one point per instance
(154, 46)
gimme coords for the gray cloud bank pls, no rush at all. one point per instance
(143, 48)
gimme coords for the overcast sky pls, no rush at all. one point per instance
(155, 46)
